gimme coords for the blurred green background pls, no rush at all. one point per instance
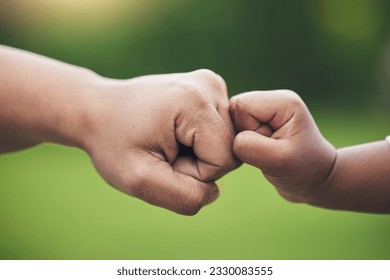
(334, 53)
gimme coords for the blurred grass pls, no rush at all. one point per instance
(53, 205)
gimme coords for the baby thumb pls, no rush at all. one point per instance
(261, 151)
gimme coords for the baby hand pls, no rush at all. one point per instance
(277, 134)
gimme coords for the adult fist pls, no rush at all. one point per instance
(163, 138)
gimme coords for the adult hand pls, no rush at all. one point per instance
(163, 138)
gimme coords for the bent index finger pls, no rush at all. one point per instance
(213, 146)
(275, 107)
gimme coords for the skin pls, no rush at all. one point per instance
(163, 138)
(277, 134)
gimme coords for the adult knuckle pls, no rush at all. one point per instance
(183, 88)
(207, 73)
(200, 103)
(214, 79)
(188, 97)
(292, 97)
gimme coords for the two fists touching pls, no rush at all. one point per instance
(175, 134)
(166, 138)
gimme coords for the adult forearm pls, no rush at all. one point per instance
(360, 179)
(42, 99)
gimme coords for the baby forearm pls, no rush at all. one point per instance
(41, 99)
(360, 180)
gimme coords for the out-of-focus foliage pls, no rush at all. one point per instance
(331, 52)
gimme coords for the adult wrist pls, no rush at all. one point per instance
(72, 119)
